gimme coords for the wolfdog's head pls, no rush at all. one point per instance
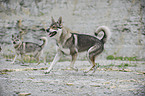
(55, 29)
(16, 39)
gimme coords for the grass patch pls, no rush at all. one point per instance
(111, 57)
(107, 66)
(8, 57)
(122, 65)
(26, 59)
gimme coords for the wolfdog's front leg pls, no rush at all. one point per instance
(15, 58)
(74, 57)
(55, 60)
(22, 59)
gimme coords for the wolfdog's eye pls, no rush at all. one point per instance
(53, 26)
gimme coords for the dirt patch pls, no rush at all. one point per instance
(108, 80)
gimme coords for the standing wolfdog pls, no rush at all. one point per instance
(23, 48)
(71, 43)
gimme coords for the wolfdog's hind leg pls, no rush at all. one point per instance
(92, 53)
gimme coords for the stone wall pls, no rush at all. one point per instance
(125, 18)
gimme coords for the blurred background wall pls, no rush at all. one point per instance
(125, 18)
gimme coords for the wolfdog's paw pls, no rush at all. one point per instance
(46, 72)
(12, 62)
(91, 72)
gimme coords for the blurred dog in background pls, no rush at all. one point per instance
(30, 48)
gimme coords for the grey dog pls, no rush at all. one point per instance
(30, 48)
(72, 43)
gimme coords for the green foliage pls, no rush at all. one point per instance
(111, 57)
(118, 58)
(7, 57)
(122, 65)
(27, 59)
(107, 66)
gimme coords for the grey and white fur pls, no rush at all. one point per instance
(72, 43)
(30, 48)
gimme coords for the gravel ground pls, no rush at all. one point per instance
(108, 80)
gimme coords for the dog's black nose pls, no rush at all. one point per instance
(14, 42)
(47, 30)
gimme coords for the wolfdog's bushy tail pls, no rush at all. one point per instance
(44, 41)
(107, 33)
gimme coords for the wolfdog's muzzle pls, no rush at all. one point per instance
(51, 34)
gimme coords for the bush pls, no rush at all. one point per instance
(110, 57)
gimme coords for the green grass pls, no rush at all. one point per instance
(111, 57)
(122, 65)
(26, 58)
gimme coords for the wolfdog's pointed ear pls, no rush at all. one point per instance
(19, 35)
(12, 36)
(52, 19)
(60, 20)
